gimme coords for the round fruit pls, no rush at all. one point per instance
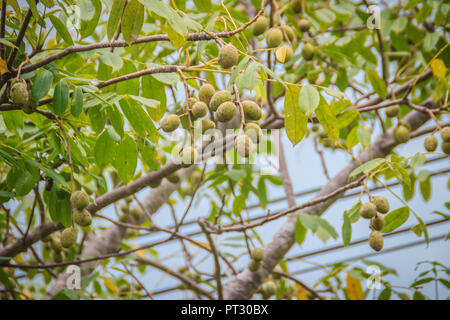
(430, 143)
(289, 32)
(79, 200)
(82, 218)
(137, 213)
(199, 109)
(445, 147)
(286, 56)
(254, 265)
(368, 210)
(304, 25)
(445, 134)
(196, 176)
(228, 56)
(254, 132)
(173, 177)
(308, 51)
(376, 240)
(378, 222)
(19, 93)
(206, 92)
(207, 125)
(296, 6)
(218, 98)
(226, 111)
(243, 145)
(257, 254)
(392, 111)
(260, 26)
(274, 37)
(125, 208)
(251, 110)
(170, 123)
(57, 256)
(405, 124)
(68, 237)
(155, 183)
(30, 107)
(188, 156)
(401, 134)
(124, 218)
(381, 204)
(271, 288)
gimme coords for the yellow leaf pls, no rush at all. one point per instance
(354, 288)
(280, 54)
(438, 68)
(301, 292)
(3, 67)
(140, 253)
(109, 284)
(203, 243)
(51, 43)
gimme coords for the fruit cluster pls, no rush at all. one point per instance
(372, 210)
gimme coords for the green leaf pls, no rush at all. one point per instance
(126, 159)
(309, 99)
(367, 167)
(132, 21)
(114, 17)
(378, 84)
(327, 227)
(327, 118)
(363, 135)
(61, 97)
(152, 88)
(41, 85)
(77, 102)
(203, 5)
(425, 188)
(238, 204)
(61, 29)
(346, 230)
(395, 219)
(418, 160)
(309, 221)
(295, 121)
(105, 149)
(300, 232)
(385, 294)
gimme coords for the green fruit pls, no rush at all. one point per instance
(304, 25)
(368, 210)
(79, 200)
(254, 265)
(376, 240)
(401, 134)
(254, 132)
(243, 145)
(308, 51)
(430, 143)
(68, 237)
(392, 111)
(381, 204)
(155, 183)
(378, 222)
(207, 125)
(445, 134)
(228, 56)
(296, 5)
(260, 26)
(170, 123)
(124, 218)
(218, 98)
(405, 124)
(274, 37)
(226, 111)
(125, 208)
(173, 177)
(136, 213)
(19, 93)
(195, 177)
(56, 245)
(57, 256)
(289, 32)
(251, 110)
(445, 146)
(206, 92)
(270, 288)
(315, 128)
(257, 254)
(188, 156)
(199, 109)
(30, 107)
(82, 218)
